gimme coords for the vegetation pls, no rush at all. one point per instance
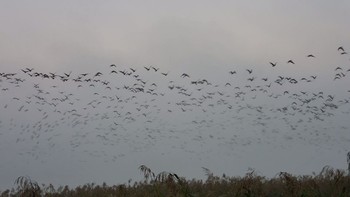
(329, 182)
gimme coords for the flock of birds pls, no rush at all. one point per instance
(135, 108)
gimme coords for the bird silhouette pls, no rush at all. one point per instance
(155, 69)
(232, 72)
(341, 49)
(290, 62)
(251, 79)
(338, 68)
(68, 74)
(98, 74)
(273, 64)
(185, 75)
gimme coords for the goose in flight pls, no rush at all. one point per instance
(25, 71)
(155, 69)
(290, 62)
(251, 79)
(341, 49)
(98, 74)
(273, 64)
(165, 74)
(30, 69)
(232, 72)
(68, 74)
(338, 68)
(185, 75)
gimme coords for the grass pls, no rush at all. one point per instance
(329, 182)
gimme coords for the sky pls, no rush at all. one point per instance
(227, 128)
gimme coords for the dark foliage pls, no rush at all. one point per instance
(329, 182)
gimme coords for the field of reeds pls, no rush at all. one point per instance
(329, 182)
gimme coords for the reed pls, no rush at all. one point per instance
(329, 182)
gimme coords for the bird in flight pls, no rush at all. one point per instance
(338, 68)
(68, 74)
(273, 64)
(251, 79)
(184, 75)
(98, 74)
(341, 49)
(232, 72)
(310, 55)
(155, 69)
(249, 71)
(290, 62)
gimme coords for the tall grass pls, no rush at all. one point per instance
(329, 182)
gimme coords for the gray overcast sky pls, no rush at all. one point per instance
(206, 39)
